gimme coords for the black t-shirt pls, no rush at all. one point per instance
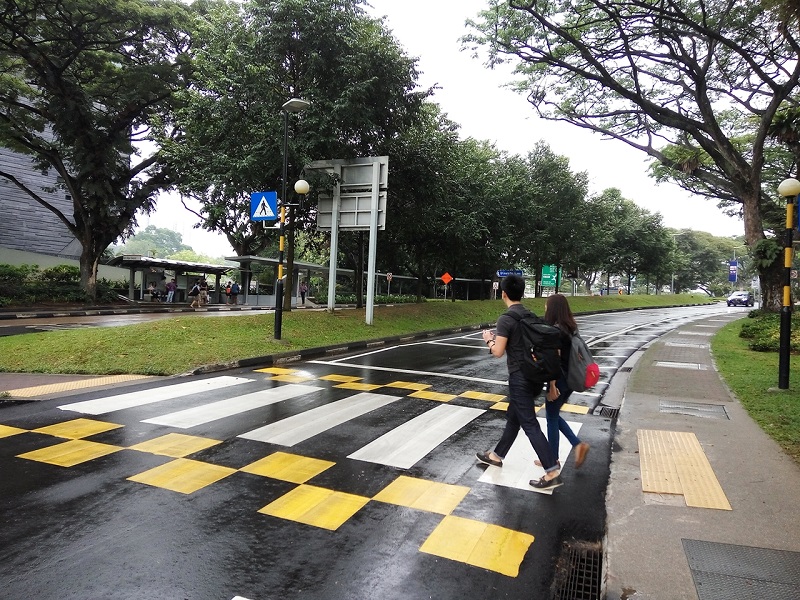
(506, 327)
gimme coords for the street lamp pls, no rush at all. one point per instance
(672, 286)
(789, 188)
(295, 105)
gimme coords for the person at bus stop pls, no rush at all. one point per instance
(303, 292)
(171, 287)
(521, 413)
(558, 313)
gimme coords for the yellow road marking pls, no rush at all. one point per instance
(66, 386)
(673, 462)
(8, 431)
(361, 387)
(176, 445)
(183, 475)
(69, 454)
(482, 396)
(440, 498)
(288, 467)
(276, 371)
(316, 506)
(77, 428)
(292, 378)
(407, 385)
(479, 544)
(432, 396)
(341, 378)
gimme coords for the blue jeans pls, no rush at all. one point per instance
(554, 421)
(521, 413)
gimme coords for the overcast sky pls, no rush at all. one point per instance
(474, 97)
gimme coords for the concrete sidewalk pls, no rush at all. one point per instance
(662, 544)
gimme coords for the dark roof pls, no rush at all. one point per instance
(136, 261)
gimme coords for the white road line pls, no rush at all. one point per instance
(109, 404)
(298, 428)
(191, 417)
(409, 443)
(518, 468)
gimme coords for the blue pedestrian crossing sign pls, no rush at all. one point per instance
(263, 206)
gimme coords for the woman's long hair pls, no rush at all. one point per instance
(557, 312)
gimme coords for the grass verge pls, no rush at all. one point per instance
(186, 342)
(750, 375)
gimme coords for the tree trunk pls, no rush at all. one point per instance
(89, 262)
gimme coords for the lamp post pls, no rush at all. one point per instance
(789, 188)
(672, 286)
(294, 105)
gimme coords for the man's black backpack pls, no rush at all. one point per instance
(541, 359)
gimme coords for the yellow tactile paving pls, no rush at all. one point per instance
(8, 431)
(288, 467)
(479, 544)
(440, 498)
(69, 454)
(432, 396)
(407, 385)
(482, 396)
(276, 370)
(292, 378)
(341, 378)
(77, 428)
(175, 445)
(673, 462)
(66, 386)
(315, 506)
(361, 387)
(183, 475)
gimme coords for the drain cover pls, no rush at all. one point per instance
(578, 571)
(693, 409)
(609, 412)
(730, 572)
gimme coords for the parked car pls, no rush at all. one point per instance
(741, 299)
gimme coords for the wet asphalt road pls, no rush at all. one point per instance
(206, 492)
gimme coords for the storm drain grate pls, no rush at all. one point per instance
(578, 571)
(625, 369)
(610, 412)
(694, 409)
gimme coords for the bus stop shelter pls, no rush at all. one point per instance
(149, 270)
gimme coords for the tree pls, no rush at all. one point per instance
(695, 84)
(154, 241)
(229, 140)
(79, 83)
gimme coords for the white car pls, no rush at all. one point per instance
(741, 299)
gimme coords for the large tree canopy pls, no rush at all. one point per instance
(693, 83)
(79, 80)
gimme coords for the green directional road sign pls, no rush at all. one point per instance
(549, 275)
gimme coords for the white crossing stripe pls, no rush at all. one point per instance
(191, 417)
(518, 467)
(410, 442)
(298, 428)
(109, 404)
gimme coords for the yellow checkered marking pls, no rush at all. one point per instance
(71, 453)
(341, 378)
(288, 467)
(361, 387)
(77, 428)
(479, 544)
(288, 378)
(176, 445)
(482, 396)
(183, 475)
(499, 406)
(440, 498)
(407, 385)
(315, 506)
(571, 408)
(8, 431)
(276, 371)
(432, 396)
(673, 462)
